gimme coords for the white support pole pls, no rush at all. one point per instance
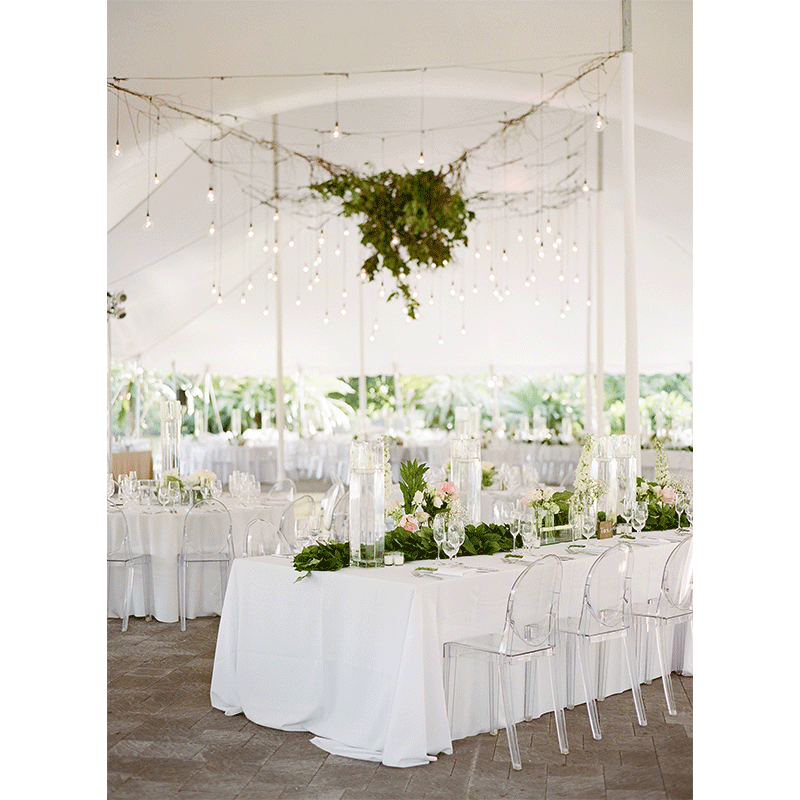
(206, 399)
(588, 421)
(599, 388)
(137, 417)
(280, 413)
(632, 423)
(110, 413)
(362, 378)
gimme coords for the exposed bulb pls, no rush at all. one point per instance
(599, 122)
(337, 252)
(505, 257)
(477, 254)
(576, 279)
(561, 277)
(305, 267)
(430, 301)
(213, 288)
(249, 284)
(541, 251)
(344, 310)
(326, 318)
(538, 237)
(558, 238)
(156, 179)
(563, 314)
(548, 228)
(381, 291)
(461, 295)
(211, 229)
(344, 293)
(347, 231)
(275, 248)
(463, 330)
(243, 300)
(117, 151)
(210, 194)
(276, 216)
(372, 337)
(488, 246)
(574, 247)
(336, 131)
(421, 159)
(452, 290)
(395, 240)
(316, 277)
(519, 236)
(441, 340)
(321, 239)
(148, 223)
(567, 306)
(536, 301)
(585, 186)
(291, 242)
(475, 288)
(588, 301)
(491, 274)
(266, 311)
(250, 231)
(298, 301)
(219, 299)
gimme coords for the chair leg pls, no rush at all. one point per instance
(530, 687)
(591, 705)
(126, 610)
(508, 710)
(182, 593)
(665, 662)
(558, 708)
(223, 583)
(493, 669)
(602, 669)
(569, 671)
(147, 578)
(450, 664)
(635, 688)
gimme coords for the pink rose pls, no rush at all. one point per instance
(448, 489)
(409, 522)
(667, 495)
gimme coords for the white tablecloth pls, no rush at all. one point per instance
(355, 656)
(160, 534)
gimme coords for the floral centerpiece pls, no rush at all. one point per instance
(488, 471)
(588, 490)
(201, 477)
(422, 501)
(661, 494)
(171, 476)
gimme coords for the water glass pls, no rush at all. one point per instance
(640, 514)
(589, 520)
(454, 538)
(439, 531)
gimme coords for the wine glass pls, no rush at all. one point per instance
(627, 509)
(216, 489)
(640, 515)
(680, 508)
(454, 538)
(163, 494)
(689, 512)
(530, 538)
(589, 521)
(439, 532)
(174, 493)
(110, 486)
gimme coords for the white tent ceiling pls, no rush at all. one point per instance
(483, 62)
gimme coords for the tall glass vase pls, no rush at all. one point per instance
(625, 448)
(604, 468)
(367, 521)
(171, 418)
(465, 466)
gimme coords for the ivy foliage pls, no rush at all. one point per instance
(412, 218)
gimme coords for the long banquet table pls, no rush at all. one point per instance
(159, 533)
(355, 656)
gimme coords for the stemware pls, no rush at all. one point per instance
(110, 486)
(680, 507)
(576, 513)
(589, 520)
(216, 489)
(530, 538)
(627, 509)
(163, 495)
(454, 538)
(173, 493)
(439, 532)
(689, 512)
(640, 515)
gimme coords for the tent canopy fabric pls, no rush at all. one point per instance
(398, 77)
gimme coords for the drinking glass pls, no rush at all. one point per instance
(439, 531)
(640, 515)
(627, 509)
(453, 540)
(174, 493)
(689, 512)
(576, 513)
(589, 519)
(110, 486)
(680, 508)
(530, 539)
(216, 489)
(163, 495)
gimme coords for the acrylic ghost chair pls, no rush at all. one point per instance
(672, 605)
(262, 538)
(282, 491)
(605, 615)
(340, 529)
(295, 522)
(530, 631)
(207, 539)
(120, 553)
(328, 502)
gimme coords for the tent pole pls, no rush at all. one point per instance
(138, 408)
(213, 396)
(205, 402)
(110, 413)
(362, 378)
(588, 422)
(398, 394)
(599, 389)
(280, 414)
(632, 423)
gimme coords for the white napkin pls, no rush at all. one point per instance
(455, 571)
(594, 550)
(652, 540)
(526, 558)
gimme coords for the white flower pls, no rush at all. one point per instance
(437, 501)
(419, 499)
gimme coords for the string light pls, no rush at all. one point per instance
(336, 126)
(117, 151)
(599, 122)
(250, 231)
(211, 229)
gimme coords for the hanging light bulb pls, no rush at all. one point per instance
(336, 131)
(537, 238)
(507, 291)
(291, 242)
(541, 250)
(148, 223)
(156, 180)
(395, 240)
(588, 301)
(519, 236)
(441, 340)
(430, 301)
(210, 194)
(250, 284)
(326, 318)
(298, 301)
(558, 238)
(117, 151)
(477, 254)
(311, 286)
(344, 310)
(461, 295)
(213, 288)
(265, 248)
(536, 301)
(321, 239)
(275, 247)
(452, 289)
(491, 274)
(344, 293)
(337, 252)
(375, 324)
(504, 257)
(585, 186)
(576, 279)
(463, 330)
(372, 337)
(574, 247)
(270, 275)
(563, 314)
(548, 228)
(276, 216)
(558, 256)
(305, 267)
(527, 282)
(316, 277)
(382, 291)
(347, 231)
(243, 300)
(474, 288)
(567, 306)
(488, 246)
(266, 311)
(250, 231)
(421, 158)
(599, 122)
(219, 299)
(211, 229)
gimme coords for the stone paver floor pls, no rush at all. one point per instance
(166, 741)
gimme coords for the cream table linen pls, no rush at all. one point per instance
(355, 656)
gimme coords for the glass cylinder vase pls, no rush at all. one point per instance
(465, 466)
(604, 469)
(171, 417)
(367, 521)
